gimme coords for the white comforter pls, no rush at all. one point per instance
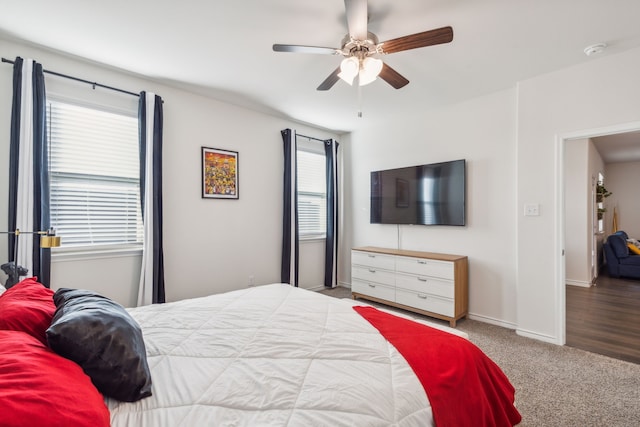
(272, 355)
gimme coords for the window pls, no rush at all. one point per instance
(94, 176)
(312, 191)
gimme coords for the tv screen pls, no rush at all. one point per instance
(432, 194)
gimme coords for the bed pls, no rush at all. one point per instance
(276, 355)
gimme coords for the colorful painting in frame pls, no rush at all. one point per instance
(219, 174)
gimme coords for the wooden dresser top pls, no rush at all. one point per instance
(415, 254)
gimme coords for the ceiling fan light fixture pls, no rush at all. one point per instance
(349, 69)
(359, 44)
(369, 70)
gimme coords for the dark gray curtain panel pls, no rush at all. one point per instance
(28, 204)
(290, 236)
(331, 245)
(151, 288)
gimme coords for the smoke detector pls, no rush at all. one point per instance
(595, 49)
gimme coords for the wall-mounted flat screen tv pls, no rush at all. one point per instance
(432, 194)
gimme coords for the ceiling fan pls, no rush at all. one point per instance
(361, 48)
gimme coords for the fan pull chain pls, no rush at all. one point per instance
(359, 100)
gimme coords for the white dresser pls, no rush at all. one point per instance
(428, 283)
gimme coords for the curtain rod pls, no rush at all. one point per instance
(94, 84)
(310, 137)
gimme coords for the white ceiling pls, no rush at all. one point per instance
(618, 148)
(223, 48)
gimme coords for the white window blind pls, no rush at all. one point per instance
(94, 176)
(312, 194)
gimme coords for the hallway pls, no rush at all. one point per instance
(605, 318)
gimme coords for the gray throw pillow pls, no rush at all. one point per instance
(102, 337)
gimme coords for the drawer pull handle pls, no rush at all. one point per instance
(371, 256)
(422, 279)
(423, 296)
(371, 271)
(422, 262)
(372, 286)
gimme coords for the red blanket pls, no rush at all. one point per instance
(464, 386)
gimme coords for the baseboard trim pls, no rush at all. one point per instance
(492, 321)
(538, 336)
(344, 285)
(580, 283)
(321, 288)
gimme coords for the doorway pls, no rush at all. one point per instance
(561, 145)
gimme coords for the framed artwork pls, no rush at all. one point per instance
(219, 174)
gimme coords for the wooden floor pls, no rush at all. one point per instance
(605, 318)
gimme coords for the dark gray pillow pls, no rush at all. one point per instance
(100, 336)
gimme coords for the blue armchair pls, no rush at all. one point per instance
(620, 262)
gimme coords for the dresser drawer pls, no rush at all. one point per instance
(425, 267)
(425, 284)
(370, 274)
(385, 262)
(424, 301)
(373, 289)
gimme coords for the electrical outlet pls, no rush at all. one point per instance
(252, 281)
(532, 209)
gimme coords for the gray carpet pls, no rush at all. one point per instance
(556, 385)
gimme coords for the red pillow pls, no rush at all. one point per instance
(28, 307)
(40, 388)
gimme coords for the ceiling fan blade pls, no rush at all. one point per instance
(414, 41)
(305, 49)
(392, 77)
(330, 81)
(357, 18)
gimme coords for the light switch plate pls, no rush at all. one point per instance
(532, 209)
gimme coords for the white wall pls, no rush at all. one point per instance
(210, 245)
(582, 164)
(602, 93)
(345, 227)
(482, 131)
(577, 207)
(622, 180)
